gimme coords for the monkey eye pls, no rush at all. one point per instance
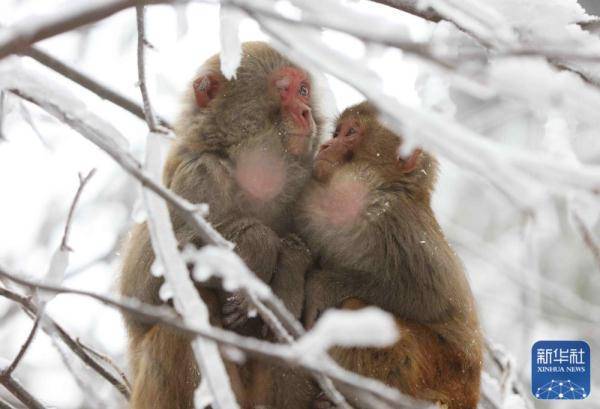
(303, 91)
(336, 133)
(351, 131)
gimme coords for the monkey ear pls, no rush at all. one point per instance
(410, 164)
(205, 89)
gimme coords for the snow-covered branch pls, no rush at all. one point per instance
(18, 37)
(285, 354)
(76, 346)
(62, 105)
(91, 84)
(513, 169)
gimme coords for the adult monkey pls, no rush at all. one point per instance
(245, 147)
(367, 219)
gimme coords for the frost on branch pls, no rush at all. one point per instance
(367, 327)
(231, 47)
(56, 100)
(55, 274)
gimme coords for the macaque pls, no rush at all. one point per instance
(367, 219)
(244, 146)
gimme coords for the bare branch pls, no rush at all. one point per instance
(140, 12)
(588, 238)
(89, 83)
(19, 392)
(82, 182)
(32, 310)
(107, 360)
(4, 405)
(8, 371)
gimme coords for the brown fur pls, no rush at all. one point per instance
(245, 116)
(388, 250)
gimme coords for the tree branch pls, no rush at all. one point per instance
(82, 182)
(21, 35)
(280, 353)
(588, 238)
(10, 369)
(19, 392)
(140, 12)
(32, 310)
(89, 83)
(4, 405)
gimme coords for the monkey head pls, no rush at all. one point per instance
(269, 98)
(361, 140)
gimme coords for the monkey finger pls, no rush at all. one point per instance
(235, 319)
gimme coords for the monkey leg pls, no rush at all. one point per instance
(278, 387)
(166, 375)
(421, 364)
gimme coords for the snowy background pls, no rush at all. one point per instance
(533, 275)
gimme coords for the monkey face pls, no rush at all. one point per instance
(292, 88)
(360, 138)
(270, 99)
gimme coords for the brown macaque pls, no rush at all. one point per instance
(367, 219)
(244, 146)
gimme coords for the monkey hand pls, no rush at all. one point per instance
(322, 402)
(316, 299)
(236, 307)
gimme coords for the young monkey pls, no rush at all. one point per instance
(367, 219)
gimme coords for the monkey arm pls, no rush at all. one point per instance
(328, 288)
(292, 265)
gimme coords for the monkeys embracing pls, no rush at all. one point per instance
(246, 146)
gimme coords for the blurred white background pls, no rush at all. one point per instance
(533, 276)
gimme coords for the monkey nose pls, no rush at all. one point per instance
(324, 146)
(302, 115)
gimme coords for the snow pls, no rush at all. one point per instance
(212, 261)
(55, 274)
(231, 47)
(368, 327)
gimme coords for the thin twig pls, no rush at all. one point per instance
(32, 310)
(5, 405)
(107, 360)
(19, 392)
(140, 12)
(588, 238)
(10, 369)
(90, 84)
(82, 182)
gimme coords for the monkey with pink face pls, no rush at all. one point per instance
(366, 217)
(244, 146)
